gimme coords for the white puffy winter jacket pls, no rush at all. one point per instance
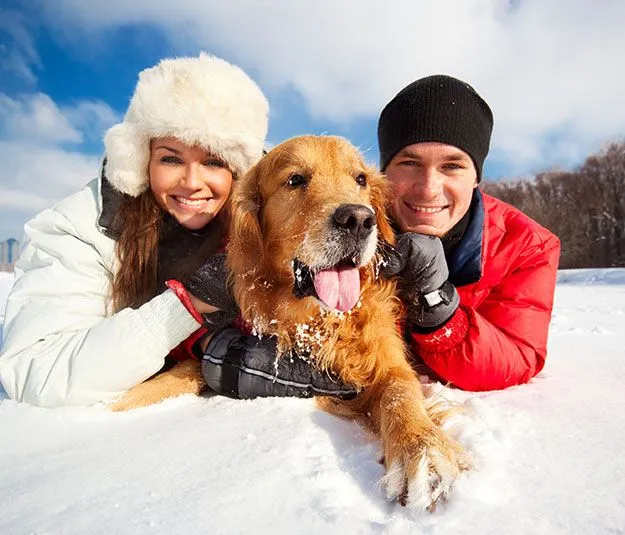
(62, 345)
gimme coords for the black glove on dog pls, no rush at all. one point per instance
(246, 367)
(419, 263)
(210, 284)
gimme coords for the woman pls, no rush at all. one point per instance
(90, 314)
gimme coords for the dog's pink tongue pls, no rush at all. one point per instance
(338, 288)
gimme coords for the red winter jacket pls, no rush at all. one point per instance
(505, 271)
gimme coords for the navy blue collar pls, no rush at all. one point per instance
(465, 260)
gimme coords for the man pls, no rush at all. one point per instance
(479, 299)
(476, 275)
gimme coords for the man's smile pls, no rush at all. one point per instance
(425, 209)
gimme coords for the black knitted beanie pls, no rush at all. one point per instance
(436, 108)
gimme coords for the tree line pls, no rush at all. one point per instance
(585, 207)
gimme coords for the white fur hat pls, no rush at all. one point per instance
(202, 101)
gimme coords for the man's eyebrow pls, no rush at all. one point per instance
(171, 149)
(407, 153)
(453, 155)
(456, 156)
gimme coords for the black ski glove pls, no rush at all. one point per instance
(210, 284)
(419, 263)
(246, 367)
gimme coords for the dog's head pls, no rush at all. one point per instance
(307, 218)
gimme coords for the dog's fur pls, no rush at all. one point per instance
(276, 224)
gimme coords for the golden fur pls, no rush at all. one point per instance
(273, 224)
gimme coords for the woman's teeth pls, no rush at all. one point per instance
(191, 202)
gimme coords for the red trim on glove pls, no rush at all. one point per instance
(183, 295)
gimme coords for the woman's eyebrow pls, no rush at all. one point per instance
(171, 149)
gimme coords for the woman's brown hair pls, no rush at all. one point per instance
(142, 222)
(137, 251)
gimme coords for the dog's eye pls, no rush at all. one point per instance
(297, 180)
(361, 180)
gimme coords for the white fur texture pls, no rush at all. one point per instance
(202, 101)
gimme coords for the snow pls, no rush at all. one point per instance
(549, 455)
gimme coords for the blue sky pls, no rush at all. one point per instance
(68, 69)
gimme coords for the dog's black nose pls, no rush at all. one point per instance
(356, 218)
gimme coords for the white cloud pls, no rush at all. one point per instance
(548, 68)
(91, 117)
(21, 57)
(36, 116)
(33, 177)
(38, 168)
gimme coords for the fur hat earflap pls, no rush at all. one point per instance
(203, 101)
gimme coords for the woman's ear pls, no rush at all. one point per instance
(245, 245)
(380, 193)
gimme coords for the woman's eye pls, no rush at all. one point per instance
(297, 181)
(361, 180)
(214, 163)
(171, 159)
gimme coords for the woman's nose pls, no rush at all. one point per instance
(193, 176)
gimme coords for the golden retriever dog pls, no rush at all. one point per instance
(307, 236)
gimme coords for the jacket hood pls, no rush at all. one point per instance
(109, 201)
(203, 101)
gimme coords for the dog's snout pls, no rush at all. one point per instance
(355, 218)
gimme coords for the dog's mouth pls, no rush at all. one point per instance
(337, 287)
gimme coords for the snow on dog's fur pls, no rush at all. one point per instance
(285, 219)
(308, 224)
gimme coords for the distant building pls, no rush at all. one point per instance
(9, 253)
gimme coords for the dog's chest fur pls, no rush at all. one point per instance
(333, 340)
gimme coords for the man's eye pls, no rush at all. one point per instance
(171, 159)
(297, 180)
(453, 166)
(409, 163)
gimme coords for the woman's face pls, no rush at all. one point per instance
(188, 182)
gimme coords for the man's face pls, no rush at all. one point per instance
(433, 185)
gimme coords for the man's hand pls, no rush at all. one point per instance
(418, 262)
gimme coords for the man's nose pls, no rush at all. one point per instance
(430, 182)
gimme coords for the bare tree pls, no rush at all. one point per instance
(585, 208)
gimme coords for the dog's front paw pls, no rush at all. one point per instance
(421, 470)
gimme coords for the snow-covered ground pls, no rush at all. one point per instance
(550, 455)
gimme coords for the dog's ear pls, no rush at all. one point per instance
(380, 192)
(245, 245)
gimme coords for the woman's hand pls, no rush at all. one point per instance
(210, 293)
(206, 294)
